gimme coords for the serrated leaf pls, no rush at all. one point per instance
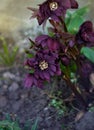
(88, 53)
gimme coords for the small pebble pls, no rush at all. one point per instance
(14, 86)
(8, 75)
(3, 101)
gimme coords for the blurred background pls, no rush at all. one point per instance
(15, 23)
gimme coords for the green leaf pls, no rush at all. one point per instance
(3, 59)
(29, 55)
(15, 126)
(6, 125)
(27, 125)
(92, 48)
(67, 70)
(68, 17)
(82, 11)
(73, 20)
(31, 71)
(88, 53)
(73, 67)
(8, 118)
(63, 68)
(35, 125)
(7, 56)
(91, 109)
(51, 34)
(74, 24)
(14, 54)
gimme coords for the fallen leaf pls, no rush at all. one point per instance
(79, 115)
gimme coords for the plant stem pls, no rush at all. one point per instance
(75, 91)
(63, 23)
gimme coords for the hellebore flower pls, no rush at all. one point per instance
(86, 69)
(31, 80)
(54, 9)
(45, 65)
(65, 60)
(47, 42)
(85, 34)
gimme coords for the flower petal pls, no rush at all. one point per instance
(74, 4)
(46, 76)
(58, 71)
(41, 38)
(53, 68)
(28, 81)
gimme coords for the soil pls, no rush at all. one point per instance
(31, 103)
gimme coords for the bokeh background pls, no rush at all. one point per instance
(15, 22)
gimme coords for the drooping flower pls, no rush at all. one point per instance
(54, 9)
(65, 60)
(30, 80)
(86, 68)
(48, 42)
(86, 34)
(45, 64)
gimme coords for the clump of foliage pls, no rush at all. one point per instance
(10, 124)
(66, 51)
(7, 125)
(7, 55)
(59, 105)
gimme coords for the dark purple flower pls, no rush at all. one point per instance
(74, 4)
(47, 42)
(31, 80)
(54, 9)
(86, 69)
(45, 64)
(86, 34)
(65, 60)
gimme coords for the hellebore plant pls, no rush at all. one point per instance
(53, 9)
(67, 50)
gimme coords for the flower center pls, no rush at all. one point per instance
(43, 65)
(53, 6)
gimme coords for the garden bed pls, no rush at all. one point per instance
(29, 104)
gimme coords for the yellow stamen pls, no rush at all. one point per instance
(53, 6)
(43, 65)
